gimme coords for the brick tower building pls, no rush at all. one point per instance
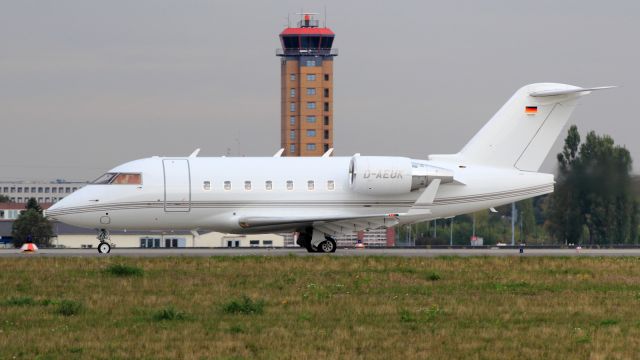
(307, 88)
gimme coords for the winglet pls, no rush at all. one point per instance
(279, 153)
(195, 153)
(328, 153)
(429, 194)
(544, 93)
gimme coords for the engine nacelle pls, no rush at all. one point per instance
(385, 175)
(380, 175)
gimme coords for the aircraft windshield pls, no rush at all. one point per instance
(119, 179)
(104, 179)
(128, 179)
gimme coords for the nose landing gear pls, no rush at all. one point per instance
(103, 236)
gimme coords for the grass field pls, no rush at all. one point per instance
(320, 307)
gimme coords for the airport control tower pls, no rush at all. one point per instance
(307, 88)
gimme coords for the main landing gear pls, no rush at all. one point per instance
(103, 236)
(316, 241)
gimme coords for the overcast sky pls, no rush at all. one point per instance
(87, 85)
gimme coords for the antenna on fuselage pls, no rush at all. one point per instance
(195, 153)
(279, 153)
(328, 153)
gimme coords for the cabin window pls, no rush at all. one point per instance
(289, 185)
(247, 185)
(331, 185)
(268, 185)
(206, 185)
(310, 185)
(227, 185)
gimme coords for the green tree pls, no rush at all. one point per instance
(4, 199)
(31, 225)
(527, 218)
(593, 192)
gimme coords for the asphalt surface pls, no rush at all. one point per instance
(138, 252)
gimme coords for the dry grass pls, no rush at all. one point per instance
(320, 307)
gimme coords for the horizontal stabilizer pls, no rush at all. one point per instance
(555, 92)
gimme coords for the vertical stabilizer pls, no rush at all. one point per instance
(523, 131)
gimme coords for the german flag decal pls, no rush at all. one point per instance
(531, 110)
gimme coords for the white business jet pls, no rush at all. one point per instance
(321, 197)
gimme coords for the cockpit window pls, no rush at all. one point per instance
(128, 179)
(119, 179)
(105, 179)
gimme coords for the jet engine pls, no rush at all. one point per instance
(384, 175)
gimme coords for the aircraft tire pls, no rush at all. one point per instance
(327, 246)
(104, 248)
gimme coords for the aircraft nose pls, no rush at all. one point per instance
(60, 210)
(56, 210)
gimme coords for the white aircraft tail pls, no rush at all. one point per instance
(523, 131)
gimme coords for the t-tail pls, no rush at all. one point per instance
(522, 132)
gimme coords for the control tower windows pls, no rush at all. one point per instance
(311, 63)
(291, 42)
(309, 42)
(326, 42)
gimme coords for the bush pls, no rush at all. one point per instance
(122, 270)
(434, 276)
(244, 306)
(168, 314)
(19, 301)
(69, 307)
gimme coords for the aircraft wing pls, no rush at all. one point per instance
(298, 221)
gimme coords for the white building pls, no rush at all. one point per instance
(44, 192)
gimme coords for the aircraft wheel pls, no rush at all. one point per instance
(104, 248)
(327, 246)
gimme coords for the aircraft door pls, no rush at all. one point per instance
(177, 185)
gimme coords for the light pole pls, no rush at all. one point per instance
(451, 232)
(513, 223)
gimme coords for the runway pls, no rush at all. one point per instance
(403, 252)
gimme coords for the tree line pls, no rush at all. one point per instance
(595, 202)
